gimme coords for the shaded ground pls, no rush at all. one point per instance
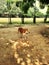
(32, 51)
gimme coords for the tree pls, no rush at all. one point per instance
(10, 7)
(19, 4)
(2, 7)
(45, 2)
(34, 20)
(24, 6)
(47, 13)
(28, 4)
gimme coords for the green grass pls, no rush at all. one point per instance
(26, 21)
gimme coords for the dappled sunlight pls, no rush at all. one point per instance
(23, 55)
(18, 20)
(34, 50)
(2, 20)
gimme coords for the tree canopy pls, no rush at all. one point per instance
(25, 4)
(44, 1)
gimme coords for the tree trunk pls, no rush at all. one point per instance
(45, 19)
(10, 19)
(34, 20)
(22, 19)
(47, 13)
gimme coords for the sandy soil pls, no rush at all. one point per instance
(34, 50)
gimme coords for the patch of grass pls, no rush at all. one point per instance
(18, 22)
(3, 22)
(28, 22)
(47, 22)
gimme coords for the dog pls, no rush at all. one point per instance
(23, 31)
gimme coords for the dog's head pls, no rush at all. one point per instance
(23, 30)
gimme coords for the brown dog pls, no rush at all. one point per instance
(22, 31)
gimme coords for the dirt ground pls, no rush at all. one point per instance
(34, 50)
